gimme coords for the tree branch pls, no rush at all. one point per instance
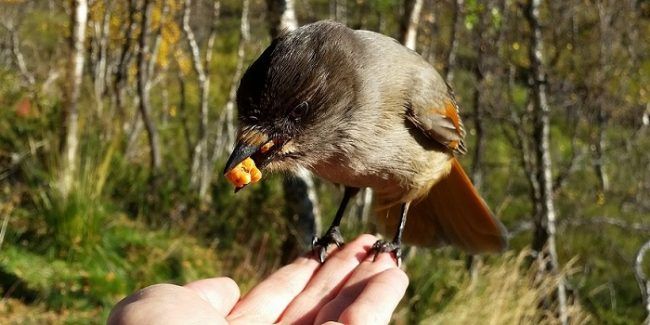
(642, 278)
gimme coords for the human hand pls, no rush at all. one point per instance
(348, 288)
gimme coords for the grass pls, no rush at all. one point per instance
(506, 292)
(127, 257)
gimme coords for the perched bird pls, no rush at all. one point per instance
(359, 109)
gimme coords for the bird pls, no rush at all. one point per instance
(359, 109)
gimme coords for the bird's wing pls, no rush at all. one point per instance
(437, 116)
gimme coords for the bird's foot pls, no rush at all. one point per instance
(319, 245)
(382, 246)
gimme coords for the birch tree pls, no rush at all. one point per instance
(480, 43)
(456, 24)
(144, 86)
(200, 170)
(281, 16)
(120, 81)
(99, 55)
(70, 150)
(339, 11)
(545, 217)
(410, 22)
(605, 17)
(226, 124)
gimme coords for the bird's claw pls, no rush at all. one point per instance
(319, 245)
(382, 246)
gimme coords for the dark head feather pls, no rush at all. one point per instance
(301, 78)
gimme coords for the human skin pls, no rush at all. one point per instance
(351, 287)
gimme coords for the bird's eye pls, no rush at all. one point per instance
(299, 111)
(302, 108)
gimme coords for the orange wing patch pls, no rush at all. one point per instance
(440, 123)
(452, 114)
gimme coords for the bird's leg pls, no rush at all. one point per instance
(395, 245)
(333, 234)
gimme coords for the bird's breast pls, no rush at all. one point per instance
(398, 168)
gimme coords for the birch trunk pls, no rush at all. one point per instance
(456, 24)
(282, 16)
(410, 22)
(200, 169)
(338, 11)
(342, 11)
(121, 71)
(544, 236)
(100, 52)
(226, 124)
(70, 148)
(603, 72)
(144, 85)
(476, 171)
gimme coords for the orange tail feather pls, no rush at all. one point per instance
(452, 213)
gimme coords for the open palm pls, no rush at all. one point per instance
(348, 288)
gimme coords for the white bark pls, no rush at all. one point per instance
(144, 81)
(200, 172)
(411, 33)
(544, 238)
(71, 141)
(121, 70)
(282, 16)
(302, 204)
(457, 23)
(288, 20)
(226, 123)
(642, 278)
(100, 51)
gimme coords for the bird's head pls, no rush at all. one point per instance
(295, 97)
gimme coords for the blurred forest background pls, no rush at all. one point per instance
(116, 117)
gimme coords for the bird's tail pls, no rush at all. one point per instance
(452, 213)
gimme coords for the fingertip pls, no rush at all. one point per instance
(375, 305)
(398, 276)
(221, 293)
(366, 240)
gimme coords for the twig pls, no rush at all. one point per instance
(3, 230)
(628, 226)
(642, 278)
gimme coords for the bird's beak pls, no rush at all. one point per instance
(241, 152)
(261, 154)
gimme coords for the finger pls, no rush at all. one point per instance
(221, 293)
(354, 286)
(328, 280)
(266, 302)
(378, 300)
(164, 304)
